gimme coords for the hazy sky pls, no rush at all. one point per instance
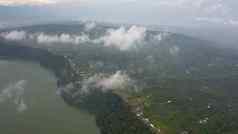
(160, 12)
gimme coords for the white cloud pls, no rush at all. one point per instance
(174, 50)
(89, 26)
(21, 106)
(124, 39)
(43, 38)
(62, 38)
(218, 8)
(25, 2)
(15, 92)
(117, 81)
(233, 22)
(14, 35)
(121, 38)
(159, 37)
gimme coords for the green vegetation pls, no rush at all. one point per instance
(183, 85)
(177, 106)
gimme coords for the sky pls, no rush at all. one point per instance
(152, 12)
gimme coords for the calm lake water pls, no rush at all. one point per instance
(29, 104)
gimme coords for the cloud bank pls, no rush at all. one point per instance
(14, 35)
(15, 93)
(43, 38)
(62, 38)
(124, 39)
(121, 38)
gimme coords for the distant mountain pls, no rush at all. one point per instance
(224, 36)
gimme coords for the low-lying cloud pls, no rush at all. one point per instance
(62, 38)
(124, 39)
(14, 35)
(174, 50)
(90, 25)
(117, 81)
(121, 38)
(161, 36)
(15, 93)
(43, 38)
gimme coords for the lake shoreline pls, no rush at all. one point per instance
(113, 115)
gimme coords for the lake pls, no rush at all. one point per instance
(29, 103)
